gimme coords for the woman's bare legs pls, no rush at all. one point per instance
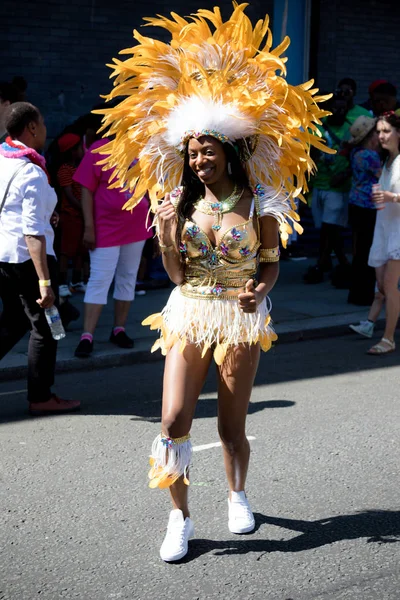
(388, 281)
(236, 380)
(379, 299)
(184, 376)
(392, 295)
(376, 307)
(121, 312)
(91, 316)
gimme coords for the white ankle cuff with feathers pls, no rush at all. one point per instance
(170, 459)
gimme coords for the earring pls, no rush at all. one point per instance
(229, 169)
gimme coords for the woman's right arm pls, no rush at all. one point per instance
(34, 218)
(166, 230)
(36, 245)
(89, 238)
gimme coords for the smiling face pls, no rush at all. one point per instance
(207, 159)
(389, 136)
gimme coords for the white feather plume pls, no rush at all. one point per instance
(199, 114)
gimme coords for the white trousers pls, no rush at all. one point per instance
(119, 262)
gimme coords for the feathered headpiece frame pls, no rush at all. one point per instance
(220, 83)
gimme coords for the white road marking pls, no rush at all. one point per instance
(14, 392)
(215, 445)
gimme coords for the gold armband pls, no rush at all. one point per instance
(269, 255)
(44, 283)
(165, 249)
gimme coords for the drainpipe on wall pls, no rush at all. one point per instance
(292, 18)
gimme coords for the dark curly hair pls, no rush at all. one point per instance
(18, 116)
(193, 188)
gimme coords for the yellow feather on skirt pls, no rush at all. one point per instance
(216, 324)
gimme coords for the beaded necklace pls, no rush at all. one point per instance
(220, 207)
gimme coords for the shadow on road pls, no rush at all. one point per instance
(380, 526)
(208, 409)
(136, 390)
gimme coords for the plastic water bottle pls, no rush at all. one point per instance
(54, 320)
(377, 188)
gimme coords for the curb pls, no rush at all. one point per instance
(138, 356)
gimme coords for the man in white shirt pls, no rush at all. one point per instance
(27, 260)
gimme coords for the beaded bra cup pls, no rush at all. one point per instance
(219, 271)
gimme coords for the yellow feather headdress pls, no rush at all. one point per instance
(222, 83)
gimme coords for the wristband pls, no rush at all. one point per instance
(395, 198)
(44, 282)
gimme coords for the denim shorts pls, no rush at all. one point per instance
(329, 207)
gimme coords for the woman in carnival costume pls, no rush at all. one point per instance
(225, 142)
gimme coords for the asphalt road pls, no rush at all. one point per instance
(77, 520)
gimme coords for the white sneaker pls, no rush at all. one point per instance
(78, 287)
(64, 291)
(241, 519)
(179, 532)
(365, 328)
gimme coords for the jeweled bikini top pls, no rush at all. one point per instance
(221, 270)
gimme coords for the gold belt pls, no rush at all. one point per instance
(220, 290)
(207, 294)
(235, 283)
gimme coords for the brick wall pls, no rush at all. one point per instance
(61, 47)
(358, 39)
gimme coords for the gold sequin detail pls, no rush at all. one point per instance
(269, 255)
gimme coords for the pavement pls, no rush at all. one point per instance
(299, 312)
(78, 522)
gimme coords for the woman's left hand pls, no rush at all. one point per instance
(54, 219)
(250, 298)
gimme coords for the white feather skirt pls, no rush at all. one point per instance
(215, 323)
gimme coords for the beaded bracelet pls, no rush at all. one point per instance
(269, 255)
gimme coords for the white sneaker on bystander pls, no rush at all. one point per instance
(64, 291)
(365, 328)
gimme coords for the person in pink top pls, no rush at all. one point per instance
(115, 239)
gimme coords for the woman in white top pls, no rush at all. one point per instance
(385, 250)
(27, 262)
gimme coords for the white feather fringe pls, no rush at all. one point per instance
(199, 114)
(172, 460)
(275, 203)
(214, 321)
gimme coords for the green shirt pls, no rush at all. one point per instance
(329, 165)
